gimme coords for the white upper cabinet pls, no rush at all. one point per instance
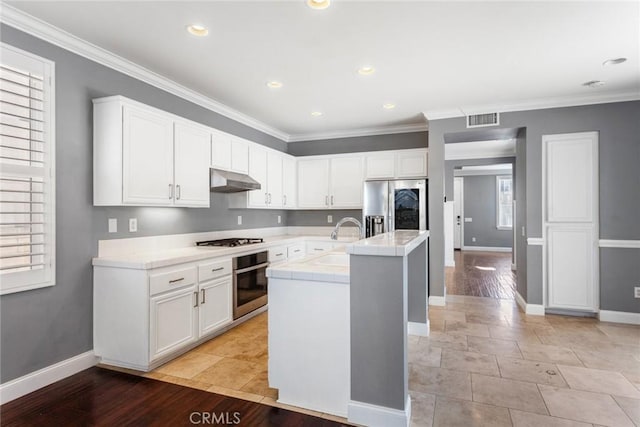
(313, 183)
(265, 166)
(221, 150)
(258, 171)
(239, 155)
(289, 182)
(191, 165)
(274, 179)
(346, 176)
(411, 163)
(146, 157)
(396, 164)
(330, 183)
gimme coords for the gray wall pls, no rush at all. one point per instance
(45, 326)
(480, 205)
(619, 130)
(319, 218)
(520, 248)
(361, 143)
(451, 165)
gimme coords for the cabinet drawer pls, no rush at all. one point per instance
(212, 270)
(317, 247)
(279, 253)
(171, 280)
(296, 251)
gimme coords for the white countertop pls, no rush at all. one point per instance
(332, 266)
(162, 258)
(395, 243)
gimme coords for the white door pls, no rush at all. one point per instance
(274, 178)
(313, 183)
(289, 182)
(258, 171)
(215, 305)
(191, 165)
(239, 155)
(570, 197)
(458, 211)
(221, 150)
(347, 181)
(173, 321)
(147, 157)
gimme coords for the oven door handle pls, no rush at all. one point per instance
(255, 267)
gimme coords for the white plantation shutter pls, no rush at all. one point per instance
(505, 202)
(27, 222)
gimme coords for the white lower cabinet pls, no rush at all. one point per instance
(319, 246)
(214, 305)
(172, 321)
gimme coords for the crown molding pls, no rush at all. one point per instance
(56, 36)
(378, 130)
(534, 104)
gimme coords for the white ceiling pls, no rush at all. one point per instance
(441, 58)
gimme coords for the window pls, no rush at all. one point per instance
(504, 200)
(27, 188)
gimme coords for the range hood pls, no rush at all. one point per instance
(222, 181)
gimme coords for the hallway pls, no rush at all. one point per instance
(481, 274)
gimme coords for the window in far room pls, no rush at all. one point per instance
(27, 188)
(504, 201)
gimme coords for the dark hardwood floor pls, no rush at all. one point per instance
(481, 274)
(101, 397)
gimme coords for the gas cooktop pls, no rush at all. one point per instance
(230, 242)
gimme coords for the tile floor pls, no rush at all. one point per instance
(485, 363)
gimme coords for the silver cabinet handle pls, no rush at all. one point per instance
(331, 200)
(217, 269)
(326, 200)
(203, 297)
(269, 199)
(195, 294)
(318, 249)
(266, 198)
(171, 191)
(296, 251)
(178, 192)
(284, 200)
(171, 282)
(280, 254)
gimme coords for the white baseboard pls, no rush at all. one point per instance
(419, 329)
(436, 300)
(513, 267)
(619, 317)
(533, 309)
(374, 415)
(43, 377)
(486, 249)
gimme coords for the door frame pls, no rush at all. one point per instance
(461, 201)
(595, 212)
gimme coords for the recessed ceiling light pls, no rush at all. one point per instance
(389, 106)
(366, 71)
(316, 113)
(614, 61)
(593, 83)
(197, 30)
(274, 84)
(318, 4)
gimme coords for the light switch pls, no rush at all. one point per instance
(468, 220)
(473, 239)
(329, 219)
(239, 219)
(279, 219)
(133, 225)
(113, 225)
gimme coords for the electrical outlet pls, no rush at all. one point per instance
(239, 219)
(473, 239)
(468, 220)
(636, 292)
(133, 225)
(523, 232)
(113, 225)
(329, 219)
(279, 219)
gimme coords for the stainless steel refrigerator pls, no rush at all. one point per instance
(395, 205)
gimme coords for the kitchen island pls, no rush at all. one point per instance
(338, 326)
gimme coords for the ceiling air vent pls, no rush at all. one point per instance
(481, 120)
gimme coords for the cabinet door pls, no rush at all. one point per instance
(239, 155)
(173, 321)
(411, 164)
(346, 182)
(274, 179)
(215, 305)
(318, 247)
(380, 166)
(221, 150)
(289, 182)
(147, 157)
(313, 183)
(258, 171)
(191, 165)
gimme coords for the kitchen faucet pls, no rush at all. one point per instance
(334, 233)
